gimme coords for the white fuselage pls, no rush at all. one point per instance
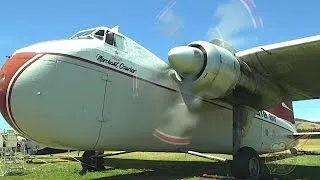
(81, 94)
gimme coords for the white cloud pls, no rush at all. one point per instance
(170, 23)
(233, 19)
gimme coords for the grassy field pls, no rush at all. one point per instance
(309, 145)
(139, 165)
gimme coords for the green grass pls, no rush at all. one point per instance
(136, 165)
(309, 145)
(141, 165)
(300, 167)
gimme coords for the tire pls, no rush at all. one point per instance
(87, 163)
(246, 164)
(294, 151)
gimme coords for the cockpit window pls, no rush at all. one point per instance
(105, 35)
(87, 33)
(119, 42)
(115, 40)
(110, 38)
(99, 34)
(82, 34)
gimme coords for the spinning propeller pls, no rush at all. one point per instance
(181, 116)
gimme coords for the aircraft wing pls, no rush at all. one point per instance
(307, 135)
(293, 65)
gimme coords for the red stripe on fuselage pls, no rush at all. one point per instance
(9, 69)
(107, 67)
(171, 139)
(11, 87)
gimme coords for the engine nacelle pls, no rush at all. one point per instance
(220, 72)
(224, 76)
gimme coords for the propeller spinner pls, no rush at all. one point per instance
(186, 60)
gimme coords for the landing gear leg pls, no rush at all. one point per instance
(99, 161)
(246, 162)
(91, 162)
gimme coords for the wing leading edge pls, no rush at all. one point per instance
(293, 65)
(307, 135)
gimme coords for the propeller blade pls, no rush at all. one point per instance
(177, 125)
(182, 114)
(237, 32)
(237, 21)
(170, 23)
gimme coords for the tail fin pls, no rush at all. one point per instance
(284, 111)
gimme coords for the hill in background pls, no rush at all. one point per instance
(307, 126)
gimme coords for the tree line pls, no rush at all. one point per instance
(308, 130)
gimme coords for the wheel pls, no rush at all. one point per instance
(246, 164)
(99, 161)
(86, 161)
(90, 161)
(294, 151)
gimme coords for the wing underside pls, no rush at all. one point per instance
(292, 65)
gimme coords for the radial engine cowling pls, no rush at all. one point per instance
(215, 70)
(216, 73)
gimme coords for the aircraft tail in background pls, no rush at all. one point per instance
(284, 111)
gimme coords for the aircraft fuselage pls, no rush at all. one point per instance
(86, 94)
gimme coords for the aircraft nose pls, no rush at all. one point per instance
(8, 74)
(46, 98)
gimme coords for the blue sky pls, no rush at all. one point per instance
(27, 22)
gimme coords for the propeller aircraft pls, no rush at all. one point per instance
(100, 90)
